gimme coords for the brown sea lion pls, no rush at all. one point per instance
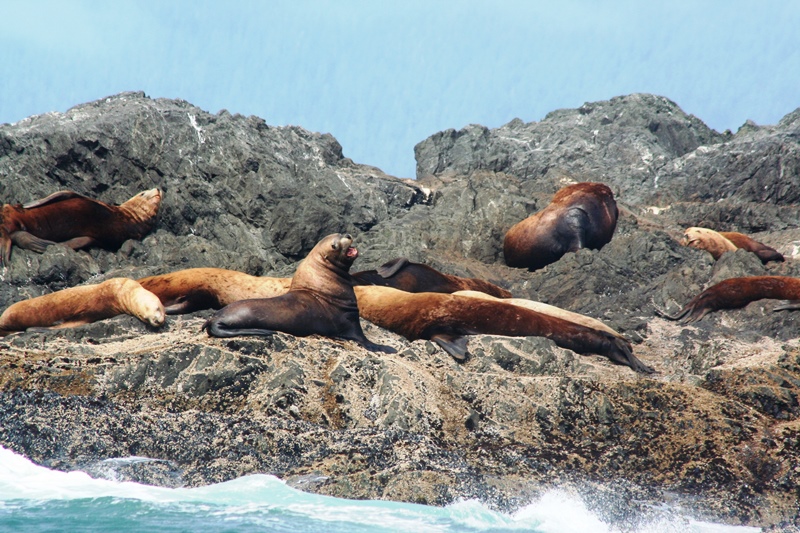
(735, 293)
(446, 318)
(320, 301)
(82, 305)
(583, 215)
(402, 274)
(193, 289)
(707, 239)
(764, 252)
(76, 221)
(546, 309)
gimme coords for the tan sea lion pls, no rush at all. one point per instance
(193, 289)
(582, 215)
(546, 309)
(446, 318)
(76, 221)
(402, 274)
(764, 252)
(84, 304)
(707, 239)
(735, 293)
(320, 301)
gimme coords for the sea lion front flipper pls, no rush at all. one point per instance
(26, 240)
(791, 305)
(217, 328)
(372, 347)
(455, 345)
(390, 268)
(55, 197)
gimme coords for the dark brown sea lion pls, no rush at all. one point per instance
(402, 274)
(447, 318)
(320, 301)
(583, 215)
(193, 289)
(735, 293)
(82, 305)
(764, 252)
(76, 221)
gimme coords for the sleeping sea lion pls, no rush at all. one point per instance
(402, 274)
(764, 252)
(546, 309)
(76, 221)
(84, 304)
(320, 301)
(193, 289)
(446, 318)
(735, 293)
(707, 239)
(582, 215)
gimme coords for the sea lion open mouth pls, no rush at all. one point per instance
(351, 252)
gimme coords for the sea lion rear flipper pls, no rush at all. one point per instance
(390, 268)
(5, 247)
(621, 353)
(55, 197)
(455, 345)
(79, 242)
(791, 305)
(26, 240)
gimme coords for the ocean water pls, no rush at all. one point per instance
(35, 499)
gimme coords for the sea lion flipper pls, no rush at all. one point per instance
(5, 247)
(390, 268)
(455, 345)
(791, 305)
(621, 353)
(77, 243)
(55, 197)
(26, 240)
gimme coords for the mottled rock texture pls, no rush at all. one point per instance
(717, 428)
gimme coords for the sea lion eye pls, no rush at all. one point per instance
(335, 245)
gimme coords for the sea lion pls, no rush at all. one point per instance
(193, 289)
(446, 318)
(402, 274)
(320, 301)
(546, 309)
(582, 215)
(84, 304)
(764, 252)
(735, 293)
(76, 221)
(707, 239)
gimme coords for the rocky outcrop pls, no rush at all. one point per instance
(718, 427)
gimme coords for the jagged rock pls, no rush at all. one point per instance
(717, 427)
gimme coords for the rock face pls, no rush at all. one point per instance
(718, 427)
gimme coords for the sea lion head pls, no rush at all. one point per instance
(138, 301)
(708, 240)
(337, 250)
(143, 206)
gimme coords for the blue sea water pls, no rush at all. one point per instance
(35, 499)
